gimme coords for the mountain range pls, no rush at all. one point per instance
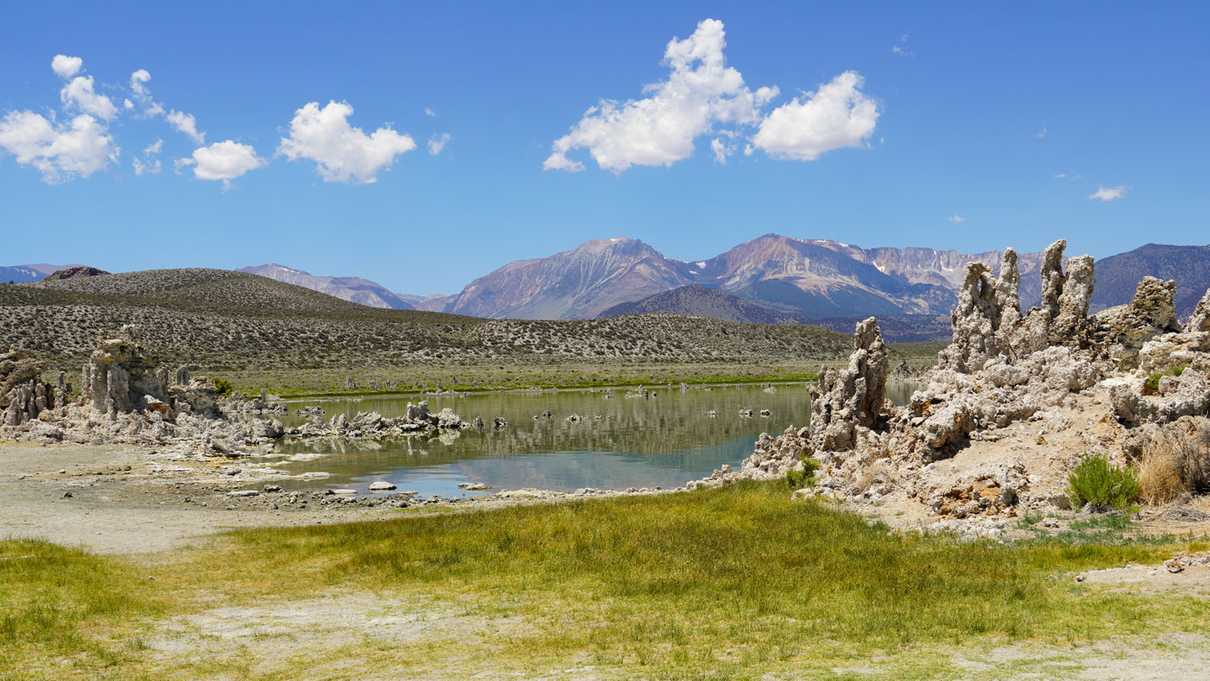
(770, 279)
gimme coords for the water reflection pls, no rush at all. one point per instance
(560, 440)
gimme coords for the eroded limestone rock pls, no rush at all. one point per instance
(1200, 321)
(851, 397)
(1126, 328)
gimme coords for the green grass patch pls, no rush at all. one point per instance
(737, 582)
(64, 603)
(723, 582)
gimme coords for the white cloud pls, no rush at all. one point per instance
(901, 48)
(79, 94)
(956, 219)
(1107, 194)
(428, 111)
(151, 167)
(721, 150)
(138, 82)
(701, 91)
(77, 149)
(437, 143)
(181, 164)
(150, 164)
(342, 153)
(1041, 134)
(835, 116)
(187, 124)
(223, 161)
(65, 67)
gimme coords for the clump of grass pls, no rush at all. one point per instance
(1151, 385)
(56, 602)
(1160, 480)
(798, 478)
(1098, 483)
(1175, 462)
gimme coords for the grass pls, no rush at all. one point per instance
(58, 603)
(729, 583)
(545, 374)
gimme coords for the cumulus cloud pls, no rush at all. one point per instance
(1107, 194)
(701, 91)
(79, 94)
(181, 164)
(437, 143)
(223, 161)
(835, 116)
(341, 152)
(702, 95)
(77, 149)
(65, 66)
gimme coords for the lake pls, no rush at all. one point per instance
(558, 440)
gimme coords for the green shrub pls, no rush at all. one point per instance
(1100, 484)
(797, 479)
(1151, 386)
(223, 387)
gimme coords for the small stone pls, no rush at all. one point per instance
(243, 493)
(381, 486)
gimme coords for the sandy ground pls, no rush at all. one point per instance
(115, 499)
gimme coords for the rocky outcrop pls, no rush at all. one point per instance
(1186, 394)
(851, 397)
(1200, 321)
(119, 377)
(24, 396)
(1124, 330)
(988, 323)
(988, 309)
(417, 420)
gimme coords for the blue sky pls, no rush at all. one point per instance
(991, 126)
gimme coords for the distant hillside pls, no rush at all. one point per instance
(235, 320)
(352, 289)
(699, 301)
(1118, 275)
(24, 274)
(575, 284)
(806, 279)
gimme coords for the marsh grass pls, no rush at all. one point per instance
(57, 602)
(723, 580)
(728, 583)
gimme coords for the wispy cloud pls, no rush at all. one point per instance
(956, 219)
(1107, 194)
(901, 47)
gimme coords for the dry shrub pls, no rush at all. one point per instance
(1160, 477)
(1176, 461)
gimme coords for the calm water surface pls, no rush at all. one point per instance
(663, 440)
